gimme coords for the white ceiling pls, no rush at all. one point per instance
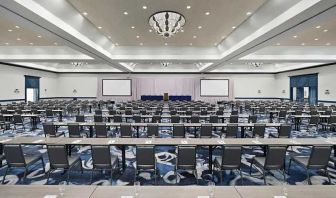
(52, 34)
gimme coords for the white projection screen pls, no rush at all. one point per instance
(215, 87)
(117, 87)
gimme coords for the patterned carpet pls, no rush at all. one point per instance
(165, 162)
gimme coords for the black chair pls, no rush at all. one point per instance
(318, 159)
(101, 130)
(59, 159)
(282, 115)
(204, 112)
(75, 131)
(98, 118)
(49, 114)
(274, 160)
(314, 121)
(137, 118)
(231, 130)
(233, 119)
(112, 112)
(126, 130)
(98, 112)
(258, 130)
(206, 131)
(186, 160)
(219, 112)
(234, 112)
(175, 119)
(152, 130)
(18, 121)
(80, 118)
(145, 160)
(156, 119)
(252, 119)
(3, 123)
(284, 131)
(16, 159)
(178, 131)
(230, 160)
(213, 119)
(195, 119)
(50, 129)
(103, 160)
(117, 118)
(330, 124)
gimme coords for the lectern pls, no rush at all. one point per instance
(165, 97)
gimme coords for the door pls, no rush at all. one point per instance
(31, 95)
(32, 88)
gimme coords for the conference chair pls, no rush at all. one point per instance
(206, 131)
(234, 112)
(213, 119)
(152, 130)
(3, 123)
(233, 119)
(49, 114)
(80, 118)
(59, 159)
(314, 121)
(178, 131)
(194, 119)
(75, 131)
(98, 112)
(219, 112)
(258, 130)
(173, 112)
(137, 118)
(229, 160)
(204, 112)
(15, 158)
(186, 160)
(175, 119)
(283, 132)
(101, 130)
(282, 115)
(50, 130)
(274, 160)
(112, 112)
(19, 121)
(103, 160)
(156, 119)
(145, 160)
(117, 118)
(252, 119)
(126, 130)
(98, 118)
(318, 160)
(231, 130)
(330, 124)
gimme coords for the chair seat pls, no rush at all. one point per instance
(31, 159)
(114, 163)
(218, 164)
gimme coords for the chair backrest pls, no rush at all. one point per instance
(2, 118)
(98, 118)
(204, 112)
(57, 156)
(252, 119)
(145, 157)
(101, 130)
(231, 157)
(233, 118)
(98, 112)
(206, 131)
(332, 119)
(128, 112)
(156, 119)
(234, 112)
(314, 119)
(80, 118)
(188, 112)
(285, 130)
(219, 112)
(186, 157)
(275, 157)
(259, 129)
(14, 155)
(195, 119)
(231, 130)
(319, 157)
(17, 118)
(152, 130)
(117, 118)
(49, 113)
(125, 130)
(178, 131)
(49, 129)
(213, 119)
(175, 119)
(282, 114)
(137, 118)
(112, 112)
(173, 112)
(74, 131)
(101, 156)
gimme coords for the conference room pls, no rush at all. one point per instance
(178, 98)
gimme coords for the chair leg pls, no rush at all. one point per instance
(68, 176)
(241, 176)
(327, 173)
(25, 174)
(91, 178)
(43, 165)
(135, 175)
(4, 177)
(111, 176)
(284, 175)
(221, 176)
(196, 177)
(175, 176)
(308, 177)
(251, 167)
(48, 173)
(264, 173)
(289, 165)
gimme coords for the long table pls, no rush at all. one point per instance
(84, 191)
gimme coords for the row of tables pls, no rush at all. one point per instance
(73, 191)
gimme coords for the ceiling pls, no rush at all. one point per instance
(223, 16)
(281, 35)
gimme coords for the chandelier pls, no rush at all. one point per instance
(167, 23)
(78, 64)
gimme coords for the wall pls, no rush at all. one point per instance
(326, 80)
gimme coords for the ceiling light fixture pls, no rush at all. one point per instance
(248, 13)
(318, 27)
(188, 7)
(100, 27)
(302, 43)
(133, 27)
(55, 43)
(316, 39)
(78, 64)
(233, 27)
(138, 36)
(144, 7)
(10, 30)
(207, 13)
(141, 43)
(109, 37)
(18, 39)
(85, 13)
(125, 13)
(194, 37)
(116, 44)
(150, 30)
(190, 44)
(39, 36)
(166, 44)
(325, 30)
(167, 23)
(295, 36)
(17, 27)
(199, 27)
(278, 44)
(6, 43)
(327, 43)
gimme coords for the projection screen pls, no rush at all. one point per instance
(215, 87)
(117, 87)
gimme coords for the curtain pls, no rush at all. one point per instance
(32, 82)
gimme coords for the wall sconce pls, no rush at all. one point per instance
(74, 91)
(327, 92)
(283, 91)
(45, 90)
(16, 91)
(259, 91)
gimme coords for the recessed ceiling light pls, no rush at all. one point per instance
(141, 43)
(109, 37)
(327, 43)
(223, 37)
(207, 13)
(215, 44)
(325, 30)
(295, 36)
(10, 30)
(166, 43)
(316, 39)
(194, 37)
(278, 44)
(199, 27)
(125, 13)
(150, 30)
(188, 7)
(231, 63)
(248, 13)
(302, 43)
(31, 43)
(39, 36)
(18, 39)
(190, 43)
(85, 13)
(138, 36)
(100, 27)
(55, 43)
(182, 30)
(116, 44)
(17, 27)
(133, 27)
(144, 7)
(233, 27)
(318, 27)
(6, 43)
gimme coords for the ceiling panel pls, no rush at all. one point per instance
(224, 14)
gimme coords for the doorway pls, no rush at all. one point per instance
(32, 88)
(304, 88)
